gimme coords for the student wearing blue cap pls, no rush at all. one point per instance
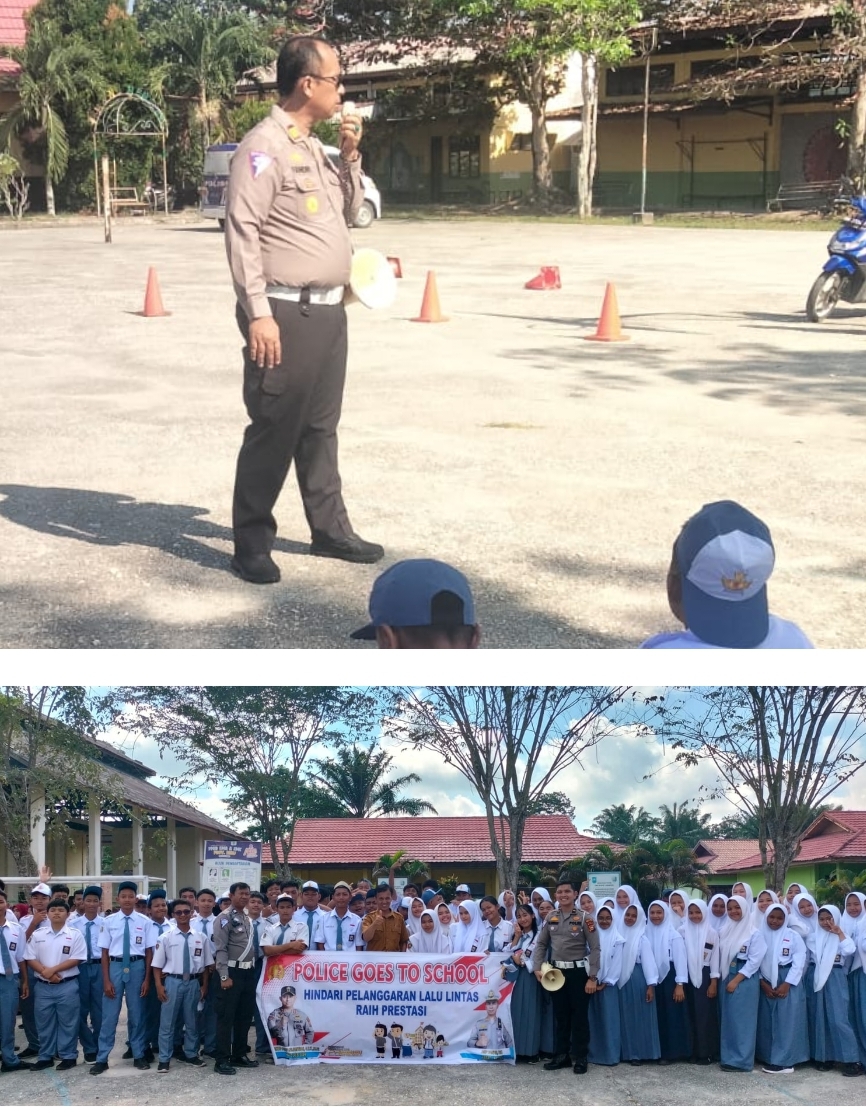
(421, 604)
(717, 585)
(89, 923)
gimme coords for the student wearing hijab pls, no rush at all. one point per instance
(526, 997)
(783, 1033)
(605, 1038)
(717, 910)
(793, 891)
(803, 919)
(832, 1038)
(702, 958)
(508, 902)
(586, 902)
(537, 895)
(623, 897)
(669, 952)
(468, 933)
(743, 889)
(853, 919)
(857, 986)
(766, 898)
(414, 909)
(742, 949)
(429, 939)
(446, 923)
(637, 981)
(677, 901)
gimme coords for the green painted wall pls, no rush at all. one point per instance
(679, 190)
(805, 875)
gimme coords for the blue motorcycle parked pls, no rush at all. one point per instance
(844, 275)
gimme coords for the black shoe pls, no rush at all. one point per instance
(822, 1066)
(852, 1070)
(42, 1064)
(558, 1062)
(90, 1057)
(244, 1061)
(703, 1062)
(545, 1056)
(256, 568)
(635, 1062)
(127, 1054)
(99, 1068)
(141, 1064)
(149, 1055)
(731, 1070)
(7, 1068)
(353, 549)
(580, 1066)
(193, 1061)
(66, 1064)
(223, 1068)
(163, 1067)
(29, 1053)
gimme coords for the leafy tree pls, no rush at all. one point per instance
(413, 868)
(510, 743)
(354, 781)
(533, 876)
(553, 803)
(624, 824)
(48, 765)
(778, 754)
(683, 822)
(257, 740)
(54, 72)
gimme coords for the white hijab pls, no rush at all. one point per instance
(466, 936)
(676, 920)
(825, 946)
(775, 941)
(751, 899)
(413, 921)
(660, 937)
(618, 912)
(735, 933)
(716, 922)
(695, 936)
(758, 916)
(507, 913)
(853, 926)
(608, 941)
(587, 893)
(803, 926)
(435, 942)
(790, 904)
(544, 895)
(632, 937)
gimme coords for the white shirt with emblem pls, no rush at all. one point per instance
(15, 941)
(351, 931)
(276, 936)
(168, 953)
(52, 947)
(142, 934)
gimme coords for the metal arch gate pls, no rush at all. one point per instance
(128, 115)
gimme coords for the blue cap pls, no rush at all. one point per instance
(154, 894)
(406, 595)
(725, 556)
(429, 894)
(93, 891)
(127, 885)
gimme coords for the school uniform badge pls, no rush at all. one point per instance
(259, 162)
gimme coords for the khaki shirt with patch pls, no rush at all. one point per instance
(288, 210)
(569, 939)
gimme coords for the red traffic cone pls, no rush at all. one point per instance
(430, 311)
(546, 279)
(395, 265)
(153, 306)
(609, 328)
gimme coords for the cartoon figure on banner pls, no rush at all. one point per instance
(396, 1041)
(429, 1043)
(287, 1025)
(489, 1033)
(441, 1044)
(380, 1034)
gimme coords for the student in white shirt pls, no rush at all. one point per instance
(12, 945)
(341, 929)
(53, 954)
(783, 1033)
(89, 923)
(202, 920)
(309, 913)
(40, 895)
(182, 963)
(742, 951)
(496, 931)
(287, 935)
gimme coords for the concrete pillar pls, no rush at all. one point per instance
(94, 838)
(37, 830)
(170, 858)
(137, 842)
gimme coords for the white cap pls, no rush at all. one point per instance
(463, 889)
(41, 888)
(310, 885)
(225, 896)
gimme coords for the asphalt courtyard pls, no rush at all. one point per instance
(554, 472)
(471, 1084)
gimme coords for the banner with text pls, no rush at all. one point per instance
(397, 1008)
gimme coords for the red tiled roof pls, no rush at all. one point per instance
(433, 839)
(718, 854)
(833, 836)
(13, 30)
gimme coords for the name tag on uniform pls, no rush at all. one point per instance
(12, 946)
(138, 939)
(838, 958)
(474, 949)
(66, 950)
(744, 948)
(709, 946)
(785, 952)
(352, 938)
(197, 952)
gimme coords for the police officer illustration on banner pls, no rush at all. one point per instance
(489, 1033)
(287, 1025)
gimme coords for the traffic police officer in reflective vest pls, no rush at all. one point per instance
(236, 998)
(575, 950)
(290, 255)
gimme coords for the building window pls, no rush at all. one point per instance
(464, 156)
(629, 82)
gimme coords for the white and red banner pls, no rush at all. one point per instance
(380, 1007)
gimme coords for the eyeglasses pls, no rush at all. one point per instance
(335, 81)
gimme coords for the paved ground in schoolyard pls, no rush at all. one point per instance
(553, 471)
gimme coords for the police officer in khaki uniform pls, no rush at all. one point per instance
(575, 951)
(289, 250)
(236, 967)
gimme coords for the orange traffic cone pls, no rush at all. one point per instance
(395, 265)
(609, 328)
(153, 306)
(430, 312)
(546, 279)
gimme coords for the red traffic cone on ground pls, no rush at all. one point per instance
(430, 311)
(395, 265)
(153, 306)
(546, 279)
(609, 328)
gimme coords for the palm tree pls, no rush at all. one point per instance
(354, 780)
(54, 70)
(683, 822)
(624, 824)
(205, 52)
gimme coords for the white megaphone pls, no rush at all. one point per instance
(372, 282)
(551, 978)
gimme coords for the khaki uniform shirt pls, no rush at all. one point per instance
(287, 213)
(232, 939)
(291, 1027)
(569, 939)
(391, 931)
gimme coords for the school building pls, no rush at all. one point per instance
(331, 850)
(836, 840)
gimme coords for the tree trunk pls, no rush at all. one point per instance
(856, 169)
(542, 177)
(586, 156)
(49, 194)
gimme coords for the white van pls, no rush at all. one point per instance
(216, 176)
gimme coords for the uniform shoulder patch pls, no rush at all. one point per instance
(259, 162)
(224, 922)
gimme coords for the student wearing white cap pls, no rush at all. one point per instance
(310, 914)
(182, 962)
(53, 954)
(89, 923)
(341, 929)
(461, 893)
(13, 985)
(40, 895)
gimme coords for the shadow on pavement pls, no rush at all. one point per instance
(104, 518)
